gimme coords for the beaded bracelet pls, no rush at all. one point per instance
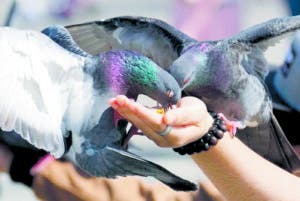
(211, 138)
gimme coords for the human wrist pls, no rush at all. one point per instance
(210, 138)
(208, 123)
(216, 154)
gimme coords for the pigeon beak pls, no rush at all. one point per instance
(170, 94)
(166, 108)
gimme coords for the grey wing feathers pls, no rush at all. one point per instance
(287, 151)
(151, 37)
(271, 143)
(115, 162)
(62, 37)
(13, 139)
(265, 34)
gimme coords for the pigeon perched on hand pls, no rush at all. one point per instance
(228, 75)
(51, 93)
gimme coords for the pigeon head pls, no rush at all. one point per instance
(132, 74)
(184, 69)
(206, 72)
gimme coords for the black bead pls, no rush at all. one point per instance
(200, 142)
(189, 150)
(206, 137)
(206, 147)
(214, 129)
(219, 121)
(222, 127)
(209, 139)
(194, 145)
(214, 115)
(178, 150)
(219, 134)
(182, 151)
(213, 140)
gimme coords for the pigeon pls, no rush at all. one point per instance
(58, 101)
(208, 70)
(228, 75)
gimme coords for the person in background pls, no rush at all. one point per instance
(58, 179)
(284, 87)
(294, 6)
(207, 20)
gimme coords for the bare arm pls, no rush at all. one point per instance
(238, 172)
(241, 174)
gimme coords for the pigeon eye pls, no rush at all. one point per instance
(170, 93)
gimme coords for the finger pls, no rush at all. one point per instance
(148, 116)
(182, 116)
(189, 100)
(147, 131)
(129, 111)
(189, 111)
(150, 122)
(178, 136)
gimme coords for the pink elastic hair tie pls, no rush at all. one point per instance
(41, 163)
(231, 125)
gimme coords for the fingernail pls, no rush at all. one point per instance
(113, 103)
(120, 100)
(112, 100)
(164, 120)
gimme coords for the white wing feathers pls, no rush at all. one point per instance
(31, 75)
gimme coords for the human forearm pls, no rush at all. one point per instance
(238, 172)
(254, 178)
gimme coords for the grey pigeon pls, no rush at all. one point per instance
(227, 72)
(50, 94)
(228, 75)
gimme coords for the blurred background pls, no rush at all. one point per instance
(201, 19)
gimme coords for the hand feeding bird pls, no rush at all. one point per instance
(52, 92)
(228, 75)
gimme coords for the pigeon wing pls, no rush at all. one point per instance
(271, 143)
(268, 33)
(151, 37)
(23, 110)
(31, 104)
(62, 37)
(115, 162)
(256, 39)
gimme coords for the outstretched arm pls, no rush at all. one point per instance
(237, 171)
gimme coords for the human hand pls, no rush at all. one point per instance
(58, 180)
(5, 158)
(189, 120)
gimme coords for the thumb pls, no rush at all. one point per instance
(189, 111)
